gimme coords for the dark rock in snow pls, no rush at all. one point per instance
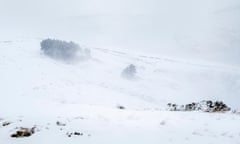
(23, 132)
(78, 133)
(121, 107)
(60, 123)
(70, 134)
(205, 106)
(6, 123)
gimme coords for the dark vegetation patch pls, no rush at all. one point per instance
(129, 72)
(59, 49)
(63, 50)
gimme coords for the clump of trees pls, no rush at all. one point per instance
(63, 50)
(129, 72)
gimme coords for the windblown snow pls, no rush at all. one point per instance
(129, 64)
(38, 91)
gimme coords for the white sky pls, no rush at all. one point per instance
(200, 28)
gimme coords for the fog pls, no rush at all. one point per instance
(200, 29)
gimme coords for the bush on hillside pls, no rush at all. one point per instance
(129, 71)
(59, 49)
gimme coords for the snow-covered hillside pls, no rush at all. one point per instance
(182, 51)
(26, 71)
(85, 95)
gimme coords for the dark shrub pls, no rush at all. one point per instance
(60, 49)
(129, 71)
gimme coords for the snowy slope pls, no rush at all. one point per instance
(159, 79)
(38, 90)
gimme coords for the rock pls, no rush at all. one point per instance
(6, 123)
(121, 107)
(60, 123)
(172, 107)
(23, 132)
(162, 123)
(78, 133)
(70, 134)
(205, 106)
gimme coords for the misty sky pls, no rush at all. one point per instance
(204, 29)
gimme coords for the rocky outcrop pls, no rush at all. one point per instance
(23, 132)
(205, 106)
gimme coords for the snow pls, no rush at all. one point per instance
(184, 51)
(39, 91)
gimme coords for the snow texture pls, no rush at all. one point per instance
(79, 102)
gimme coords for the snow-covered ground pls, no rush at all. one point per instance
(39, 91)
